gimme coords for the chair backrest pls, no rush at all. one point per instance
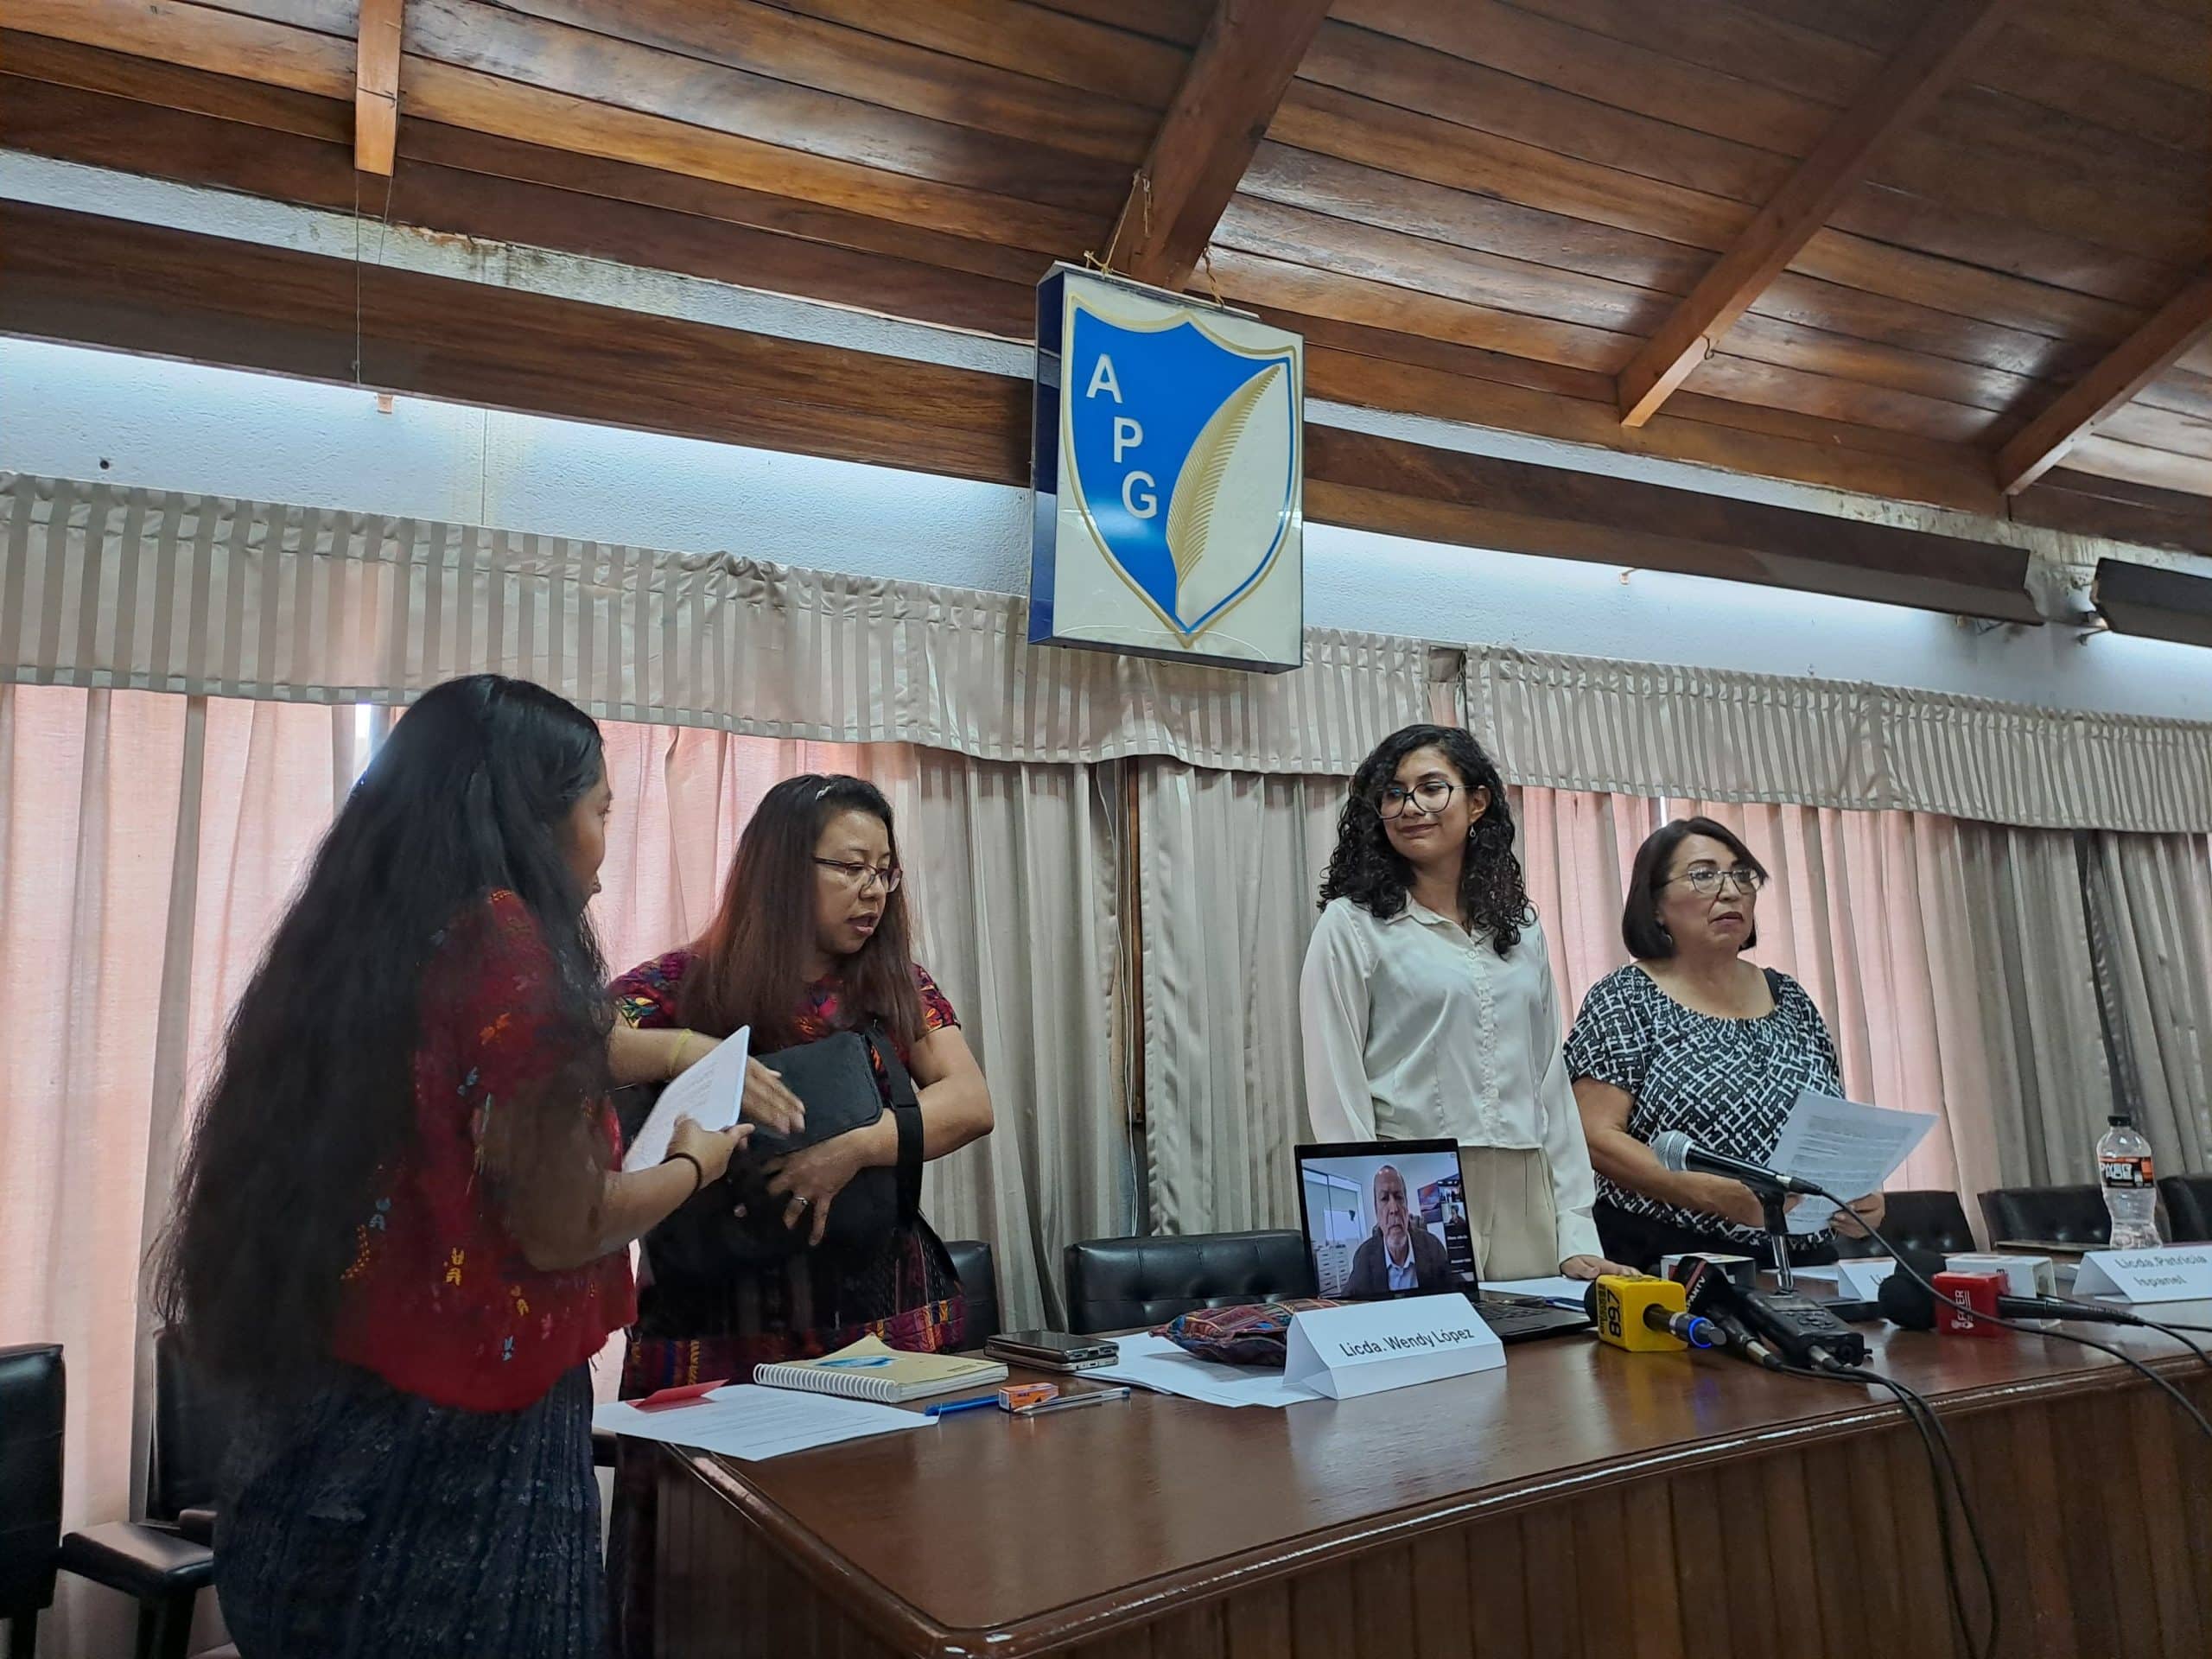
(2055, 1215)
(1933, 1220)
(192, 1436)
(1117, 1284)
(33, 1393)
(2189, 1207)
(979, 1283)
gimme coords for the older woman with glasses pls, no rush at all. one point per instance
(1690, 1036)
(1428, 1006)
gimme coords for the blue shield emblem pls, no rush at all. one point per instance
(1184, 456)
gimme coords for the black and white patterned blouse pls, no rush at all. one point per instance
(1727, 1083)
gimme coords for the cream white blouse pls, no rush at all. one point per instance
(1415, 1031)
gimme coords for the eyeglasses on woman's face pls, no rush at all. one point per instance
(1431, 796)
(1706, 882)
(860, 877)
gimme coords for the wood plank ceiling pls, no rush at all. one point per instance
(1929, 250)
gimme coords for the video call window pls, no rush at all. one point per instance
(1384, 1221)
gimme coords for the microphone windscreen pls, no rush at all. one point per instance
(1904, 1301)
(1672, 1148)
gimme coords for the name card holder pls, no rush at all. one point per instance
(1370, 1347)
(1859, 1278)
(2173, 1272)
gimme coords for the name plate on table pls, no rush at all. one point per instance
(1370, 1347)
(2175, 1272)
(1859, 1278)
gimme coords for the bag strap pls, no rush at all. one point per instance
(906, 1117)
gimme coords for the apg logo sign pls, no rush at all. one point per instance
(1169, 456)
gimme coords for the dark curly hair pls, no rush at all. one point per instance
(1366, 869)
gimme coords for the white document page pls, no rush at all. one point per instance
(1848, 1149)
(711, 1094)
(745, 1420)
(1156, 1364)
(1556, 1288)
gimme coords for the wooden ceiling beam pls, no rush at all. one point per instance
(89, 280)
(2134, 363)
(376, 87)
(1242, 66)
(1952, 33)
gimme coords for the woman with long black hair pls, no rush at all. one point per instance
(1428, 1006)
(399, 1233)
(812, 939)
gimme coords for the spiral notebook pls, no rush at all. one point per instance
(870, 1369)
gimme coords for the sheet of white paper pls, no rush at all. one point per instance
(744, 1421)
(1156, 1364)
(1556, 1288)
(1848, 1149)
(711, 1094)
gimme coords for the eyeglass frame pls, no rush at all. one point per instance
(863, 876)
(1748, 878)
(1374, 801)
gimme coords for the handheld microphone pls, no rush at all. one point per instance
(1913, 1305)
(1676, 1151)
(1646, 1315)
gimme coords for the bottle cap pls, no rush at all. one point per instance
(2120, 1120)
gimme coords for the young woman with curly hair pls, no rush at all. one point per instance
(1429, 1005)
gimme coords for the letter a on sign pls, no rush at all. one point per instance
(1102, 380)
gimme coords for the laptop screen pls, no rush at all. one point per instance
(1385, 1218)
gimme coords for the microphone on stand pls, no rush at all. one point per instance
(1678, 1153)
(1646, 1315)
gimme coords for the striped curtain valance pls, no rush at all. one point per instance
(116, 587)
(1653, 729)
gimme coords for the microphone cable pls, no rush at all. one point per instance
(2129, 1360)
(1942, 1468)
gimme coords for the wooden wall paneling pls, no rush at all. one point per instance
(2179, 390)
(1891, 101)
(1182, 22)
(1844, 1588)
(508, 109)
(1382, 1602)
(1445, 1607)
(1323, 1621)
(2147, 39)
(1557, 1615)
(1117, 57)
(871, 68)
(1610, 1615)
(198, 37)
(2160, 110)
(1701, 1570)
(1743, 41)
(1257, 1624)
(1754, 1610)
(2178, 1579)
(1951, 287)
(1497, 1566)
(1236, 77)
(1911, 325)
(1848, 356)
(795, 120)
(2144, 355)
(1658, 85)
(2147, 426)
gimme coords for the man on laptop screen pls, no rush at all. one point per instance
(1401, 1253)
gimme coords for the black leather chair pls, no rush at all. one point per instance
(1118, 1284)
(2189, 1207)
(2048, 1215)
(1933, 1220)
(32, 1394)
(979, 1282)
(165, 1560)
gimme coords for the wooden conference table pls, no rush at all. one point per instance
(1582, 1501)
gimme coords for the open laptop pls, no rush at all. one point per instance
(1390, 1218)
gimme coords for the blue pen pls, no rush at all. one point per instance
(947, 1407)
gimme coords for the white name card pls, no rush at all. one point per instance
(2176, 1273)
(1370, 1347)
(1860, 1277)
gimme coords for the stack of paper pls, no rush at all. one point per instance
(1156, 1364)
(711, 1094)
(746, 1421)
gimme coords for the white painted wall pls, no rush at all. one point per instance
(85, 414)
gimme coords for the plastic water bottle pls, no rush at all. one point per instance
(2132, 1195)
